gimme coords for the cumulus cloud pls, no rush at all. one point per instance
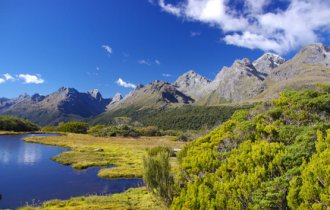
(2, 80)
(260, 24)
(122, 83)
(31, 79)
(108, 49)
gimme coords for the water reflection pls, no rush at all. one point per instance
(4, 156)
(27, 173)
(29, 154)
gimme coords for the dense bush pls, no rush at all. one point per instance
(73, 127)
(180, 118)
(108, 131)
(10, 123)
(274, 156)
(149, 131)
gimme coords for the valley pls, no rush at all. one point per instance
(249, 139)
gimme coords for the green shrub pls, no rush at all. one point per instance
(73, 127)
(10, 123)
(157, 175)
(49, 129)
(109, 131)
(149, 131)
(274, 156)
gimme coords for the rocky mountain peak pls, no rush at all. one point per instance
(191, 83)
(117, 97)
(67, 91)
(318, 54)
(139, 86)
(37, 97)
(95, 93)
(268, 62)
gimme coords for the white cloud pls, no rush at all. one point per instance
(169, 8)
(258, 24)
(2, 80)
(166, 75)
(157, 62)
(144, 62)
(8, 77)
(195, 33)
(31, 79)
(122, 83)
(108, 49)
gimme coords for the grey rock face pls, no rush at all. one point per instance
(95, 93)
(238, 82)
(267, 62)
(315, 54)
(115, 100)
(117, 97)
(309, 57)
(157, 94)
(192, 84)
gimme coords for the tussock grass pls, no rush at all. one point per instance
(136, 198)
(124, 154)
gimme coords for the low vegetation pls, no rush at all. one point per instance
(15, 124)
(68, 127)
(274, 156)
(124, 154)
(135, 198)
(157, 173)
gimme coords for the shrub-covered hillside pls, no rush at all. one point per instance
(178, 118)
(9, 123)
(274, 156)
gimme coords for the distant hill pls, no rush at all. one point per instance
(244, 81)
(63, 105)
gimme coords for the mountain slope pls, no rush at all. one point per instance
(192, 84)
(309, 67)
(62, 105)
(157, 94)
(236, 83)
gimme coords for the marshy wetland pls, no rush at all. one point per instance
(44, 167)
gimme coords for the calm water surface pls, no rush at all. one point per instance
(28, 175)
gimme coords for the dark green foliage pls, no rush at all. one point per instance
(10, 123)
(263, 158)
(189, 117)
(149, 131)
(108, 131)
(180, 118)
(73, 127)
(157, 175)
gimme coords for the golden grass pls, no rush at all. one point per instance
(125, 154)
(136, 198)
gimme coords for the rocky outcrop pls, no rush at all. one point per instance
(268, 62)
(157, 94)
(192, 84)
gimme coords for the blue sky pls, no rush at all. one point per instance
(46, 44)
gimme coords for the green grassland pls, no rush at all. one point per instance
(135, 198)
(125, 154)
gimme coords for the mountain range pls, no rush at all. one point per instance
(243, 81)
